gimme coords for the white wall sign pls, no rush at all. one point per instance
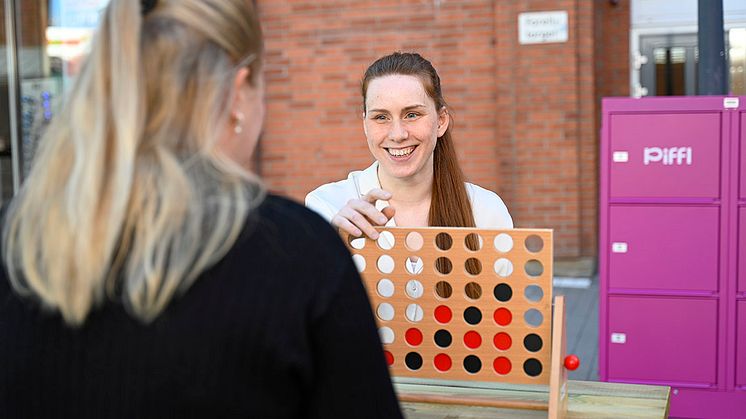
(542, 27)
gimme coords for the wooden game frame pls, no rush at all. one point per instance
(395, 244)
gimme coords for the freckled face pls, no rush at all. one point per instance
(402, 126)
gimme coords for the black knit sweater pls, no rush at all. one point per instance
(280, 328)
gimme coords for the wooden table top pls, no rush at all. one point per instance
(587, 399)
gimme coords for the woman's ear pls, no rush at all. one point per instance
(240, 81)
(444, 119)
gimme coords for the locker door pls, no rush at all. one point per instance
(663, 247)
(663, 340)
(673, 155)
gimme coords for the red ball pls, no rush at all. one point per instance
(572, 362)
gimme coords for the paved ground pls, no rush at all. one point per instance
(582, 323)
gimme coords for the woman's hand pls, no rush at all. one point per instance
(360, 216)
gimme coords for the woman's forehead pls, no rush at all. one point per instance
(396, 91)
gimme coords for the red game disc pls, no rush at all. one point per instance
(442, 362)
(443, 314)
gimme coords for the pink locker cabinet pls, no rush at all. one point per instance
(672, 272)
(741, 346)
(742, 253)
(740, 363)
(739, 130)
(742, 176)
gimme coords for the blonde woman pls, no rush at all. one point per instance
(147, 273)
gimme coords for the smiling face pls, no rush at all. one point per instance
(402, 126)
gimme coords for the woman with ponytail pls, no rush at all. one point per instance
(416, 179)
(147, 273)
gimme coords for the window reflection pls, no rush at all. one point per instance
(737, 55)
(6, 167)
(53, 38)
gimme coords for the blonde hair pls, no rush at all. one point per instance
(128, 196)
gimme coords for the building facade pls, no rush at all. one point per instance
(525, 114)
(523, 79)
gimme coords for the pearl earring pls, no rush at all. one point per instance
(239, 120)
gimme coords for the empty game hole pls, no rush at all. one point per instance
(414, 313)
(414, 241)
(413, 360)
(385, 264)
(385, 288)
(533, 293)
(472, 315)
(533, 317)
(532, 342)
(443, 241)
(503, 243)
(386, 240)
(359, 262)
(503, 292)
(534, 243)
(503, 267)
(472, 364)
(443, 338)
(356, 242)
(473, 266)
(473, 242)
(502, 341)
(532, 367)
(387, 335)
(534, 268)
(415, 289)
(443, 289)
(385, 311)
(473, 290)
(442, 362)
(502, 365)
(414, 265)
(443, 265)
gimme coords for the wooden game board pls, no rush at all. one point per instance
(466, 304)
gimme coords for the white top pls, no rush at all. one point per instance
(488, 209)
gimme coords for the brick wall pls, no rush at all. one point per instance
(525, 115)
(317, 52)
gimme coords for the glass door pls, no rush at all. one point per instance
(6, 71)
(43, 44)
(670, 68)
(668, 63)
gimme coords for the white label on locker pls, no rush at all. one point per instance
(618, 338)
(619, 247)
(667, 156)
(730, 102)
(620, 157)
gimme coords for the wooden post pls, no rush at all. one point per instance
(558, 373)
